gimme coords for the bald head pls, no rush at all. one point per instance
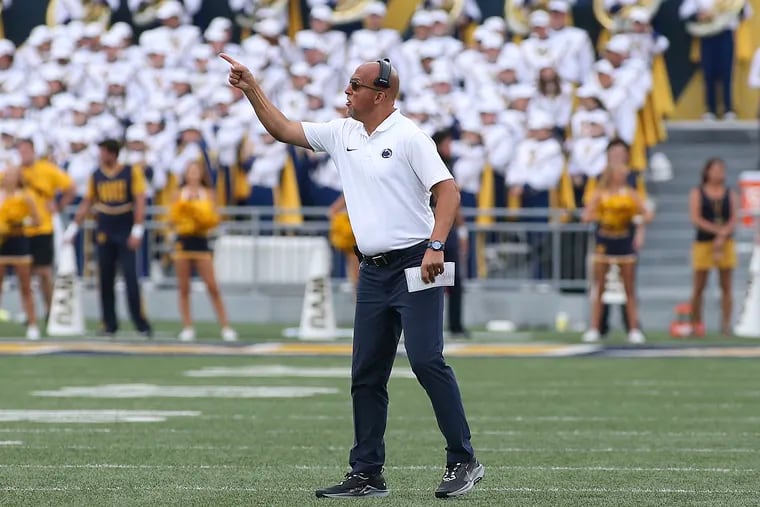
(370, 71)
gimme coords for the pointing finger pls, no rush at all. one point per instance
(229, 59)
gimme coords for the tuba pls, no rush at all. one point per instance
(96, 11)
(516, 14)
(724, 13)
(619, 22)
(348, 11)
(249, 15)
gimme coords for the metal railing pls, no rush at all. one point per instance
(506, 248)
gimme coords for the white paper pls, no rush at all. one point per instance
(414, 281)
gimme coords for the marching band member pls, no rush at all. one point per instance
(192, 215)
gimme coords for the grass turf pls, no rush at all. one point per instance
(571, 431)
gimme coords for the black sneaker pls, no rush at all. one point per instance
(460, 478)
(356, 485)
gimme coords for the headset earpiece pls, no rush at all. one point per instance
(384, 79)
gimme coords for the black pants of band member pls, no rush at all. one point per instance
(112, 254)
(383, 308)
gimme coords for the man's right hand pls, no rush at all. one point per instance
(240, 76)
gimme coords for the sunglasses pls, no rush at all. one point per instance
(356, 84)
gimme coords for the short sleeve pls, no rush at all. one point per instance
(63, 181)
(138, 181)
(425, 161)
(322, 136)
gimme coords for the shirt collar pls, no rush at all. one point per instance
(390, 120)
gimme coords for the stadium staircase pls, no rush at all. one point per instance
(664, 272)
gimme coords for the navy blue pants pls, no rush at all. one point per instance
(451, 254)
(383, 308)
(114, 252)
(717, 54)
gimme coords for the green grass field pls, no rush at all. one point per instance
(567, 431)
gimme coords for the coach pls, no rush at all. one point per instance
(388, 169)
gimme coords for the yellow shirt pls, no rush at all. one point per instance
(116, 195)
(44, 180)
(616, 211)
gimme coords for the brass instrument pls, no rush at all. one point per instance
(250, 17)
(95, 11)
(724, 13)
(619, 21)
(147, 12)
(516, 15)
(348, 11)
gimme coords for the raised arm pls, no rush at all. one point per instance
(274, 121)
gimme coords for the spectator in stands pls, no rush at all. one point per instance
(193, 215)
(716, 52)
(713, 211)
(18, 210)
(574, 44)
(554, 98)
(534, 173)
(615, 208)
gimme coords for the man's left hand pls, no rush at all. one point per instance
(133, 242)
(432, 265)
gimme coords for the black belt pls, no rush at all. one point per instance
(386, 258)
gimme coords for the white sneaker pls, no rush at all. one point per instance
(229, 334)
(591, 336)
(708, 117)
(187, 334)
(636, 336)
(730, 116)
(32, 333)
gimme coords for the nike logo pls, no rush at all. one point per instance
(351, 149)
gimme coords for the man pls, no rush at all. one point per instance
(388, 168)
(46, 181)
(117, 194)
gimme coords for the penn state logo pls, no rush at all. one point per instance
(387, 153)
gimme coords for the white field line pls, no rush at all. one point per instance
(644, 450)
(10, 442)
(55, 430)
(212, 489)
(538, 468)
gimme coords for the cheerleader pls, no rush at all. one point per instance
(616, 208)
(192, 215)
(17, 210)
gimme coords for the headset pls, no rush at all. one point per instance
(384, 79)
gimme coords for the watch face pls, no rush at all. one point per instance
(436, 245)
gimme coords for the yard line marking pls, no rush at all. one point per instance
(580, 450)
(55, 430)
(282, 371)
(92, 416)
(636, 491)
(546, 468)
(11, 442)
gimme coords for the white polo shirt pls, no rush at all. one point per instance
(386, 178)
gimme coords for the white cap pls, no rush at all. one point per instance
(470, 123)
(17, 100)
(431, 48)
(117, 77)
(122, 29)
(308, 40)
(300, 68)
(492, 40)
(618, 44)
(313, 90)
(93, 30)
(221, 96)
(422, 18)
(604, 67)
(215, 34)
(639, 15)
(539, 19)
(170, 9)
(587, 91)
(179, 76)
(490, 105)
(321, 12)
(521, 91)
(495, 24)
(540, 120)
(37, 89)
(7, 47)
(79, 106)
(269, 27)
(95, 97)
(439, 16)
(220, 23)
(375, 9)
(136, 133)
(201, 52)
(152, 116)
(80, 135)
(52, 72)
(39, 35)
(598, 116)
(189, 123)
(111, 39)
(339, 101)
(558, 6)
